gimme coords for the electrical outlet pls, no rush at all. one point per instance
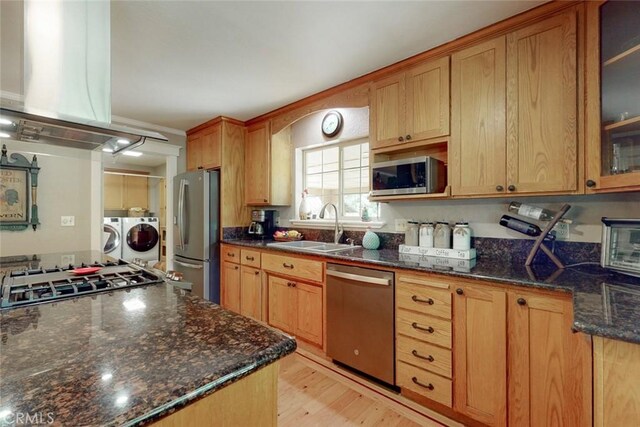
(401, 225)
(562, 231)
(68, 221)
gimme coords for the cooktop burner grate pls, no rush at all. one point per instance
(28, 287)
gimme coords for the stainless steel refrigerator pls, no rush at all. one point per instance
(196, 200)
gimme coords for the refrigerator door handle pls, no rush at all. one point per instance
(181, 213)
(187, 265)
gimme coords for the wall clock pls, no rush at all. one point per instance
(332, 123)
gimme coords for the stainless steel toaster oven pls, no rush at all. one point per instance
(621, 245)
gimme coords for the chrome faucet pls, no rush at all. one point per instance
(338, 231)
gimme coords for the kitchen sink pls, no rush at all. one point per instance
(312, 246)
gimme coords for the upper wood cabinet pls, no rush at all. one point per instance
(542, 102)
(410, 106)
(221, 144)
(549, 365)
(268, 166)
(204, 148)
(125, 191)
(613, 90)
(514, 112)
(480, 353)
(477, 152)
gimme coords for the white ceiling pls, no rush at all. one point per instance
(180, 63)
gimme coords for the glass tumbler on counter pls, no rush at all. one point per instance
(411, 234)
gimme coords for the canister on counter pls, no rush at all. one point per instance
(411, 234)
(426, 235)
(462, 236)
(442, 235)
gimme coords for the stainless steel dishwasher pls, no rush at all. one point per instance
(360, 320)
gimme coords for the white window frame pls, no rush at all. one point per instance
(351, 220)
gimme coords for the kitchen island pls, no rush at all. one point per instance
(137, 356)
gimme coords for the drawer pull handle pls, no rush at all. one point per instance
(416, 299)
(249, 258)
(291, 284)
(420, 328)
(289, 266)
(428, 358)
(231, 254)
(427, 386)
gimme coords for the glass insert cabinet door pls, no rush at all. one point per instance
(613, 79)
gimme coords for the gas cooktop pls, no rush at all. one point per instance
(35, 286)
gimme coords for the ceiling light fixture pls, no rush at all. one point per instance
(108, 150)
(132, 153)
(124, 141)
(4, 135)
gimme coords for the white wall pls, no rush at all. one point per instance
(483, 214)
(65, 187)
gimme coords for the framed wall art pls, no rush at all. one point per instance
(18, 191)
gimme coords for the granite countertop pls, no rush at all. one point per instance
(604, 303)
(126, 357)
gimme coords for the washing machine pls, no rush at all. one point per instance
(141, 239)
(112, 237)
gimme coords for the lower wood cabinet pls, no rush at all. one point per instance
(549, 365)
(251, 292)
(616, 380)
(297, 308)
(480, 353)
(230, 286)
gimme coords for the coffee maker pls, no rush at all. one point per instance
(264, 223)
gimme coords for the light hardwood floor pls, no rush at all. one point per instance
(309, 394)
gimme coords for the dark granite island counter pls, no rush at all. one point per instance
(131, 357)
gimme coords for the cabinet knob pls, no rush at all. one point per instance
(522, 301)
(408, 137)
(400, 139)
(256, 273)
(511, 187)
(235, 267)
(264, 200)
(499, 188)
(591, 183)
(200, 167)
(459, 291)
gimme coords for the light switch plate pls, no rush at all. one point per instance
(562, 231)
(68, 221)
(401, 225)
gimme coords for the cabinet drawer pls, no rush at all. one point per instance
(429, 385)
(425, 328)
(250, 258)
(230, 253)
(292, 266)
(424, 355)
(424, 299)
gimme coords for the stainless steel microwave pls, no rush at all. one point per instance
(416, 175)
(621, 245)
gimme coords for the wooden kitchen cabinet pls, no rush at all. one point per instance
(616, 379)
(478, 151)
(204, 148)
(549, 365)
(612, 157)
(125, 191)
(411, 105)
(297, 308)
(480, 353)
(542, 102)
(268, 166)
(251, 292)
(515, 112)
(230, 280)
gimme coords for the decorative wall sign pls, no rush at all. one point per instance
(18, 192)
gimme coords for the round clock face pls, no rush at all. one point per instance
(332, 123)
